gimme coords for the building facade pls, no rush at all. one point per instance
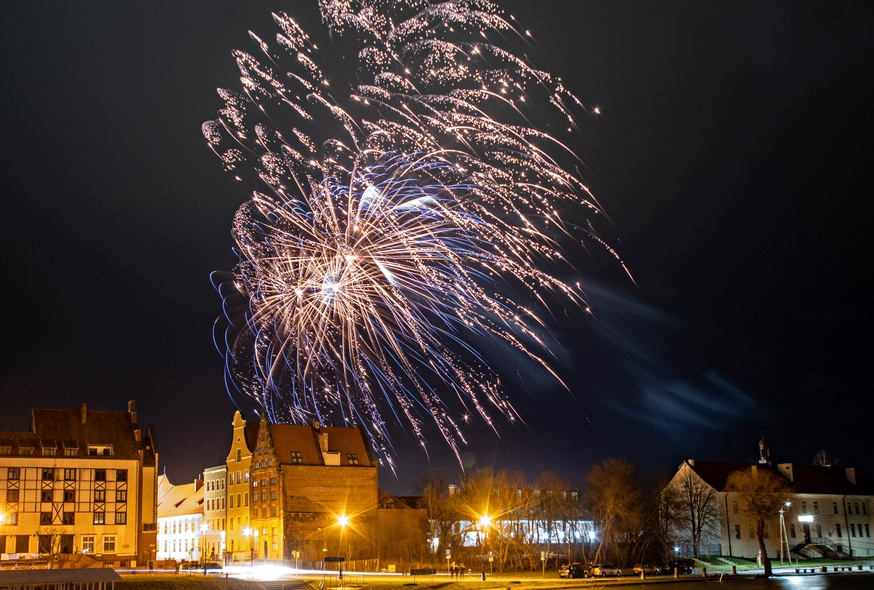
(829, 513)
(215, 510)
(79, 482)
(181, 527)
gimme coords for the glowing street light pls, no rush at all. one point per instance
(253, 540)
(484, 523)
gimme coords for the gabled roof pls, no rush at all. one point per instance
(57, 431)
(181, 500)
(715, 473)
(289, 438)
(805, 479)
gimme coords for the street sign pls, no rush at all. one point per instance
(328, 558)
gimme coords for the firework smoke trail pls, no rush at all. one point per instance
(392, 225)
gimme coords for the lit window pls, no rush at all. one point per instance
(109, 544)
(296, 457)
(69, 475)
(121, 518)
(45, 518)
(352, 458)
(99, 518)
(13, 473)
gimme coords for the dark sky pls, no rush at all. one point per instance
(733, 155)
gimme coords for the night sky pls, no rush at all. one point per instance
(732, 154)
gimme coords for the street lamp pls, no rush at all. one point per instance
(342, 521)
(203, 530)
(484, 522)
(248, 532)
(784, 538)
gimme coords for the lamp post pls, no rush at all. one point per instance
(483, 523)
(203, 530)
(248, 533)
(784, 538)
(342, 521)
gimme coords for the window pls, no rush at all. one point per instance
(70, 452)
(87, 543)
(239, 455)
(69, 475)
(273, 481)
(804, 508)
(121, 475)
(864, 508)
(12, 495)
(69, 518)
(255, 483)
(230, 479)
(239, 505)
(121, 495)
(867, 531)
(121, 518)
(99, 518)
(852, 530)
(352, 458)
(5, 450)
(48, 474)
(246, 499)
(239, 479)
(792, 530)
(838, 530)
(25, 451)
(816, 507)
(109, 543)
(296, 458)
(246, 475)
(231, 505)
(100, 475)
(835, 507)
(273, 495)
(818, 529)
(263, 496)
(100, 495)
(735, 508)
(13, 473)
(45, 495)
(45, 518)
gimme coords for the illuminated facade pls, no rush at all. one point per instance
(215, 510)
(830, 514)
(81, 485)
(238, 534)
(180, 520)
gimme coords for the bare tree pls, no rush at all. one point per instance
(614, 498)
(691, 507)
(762, 493)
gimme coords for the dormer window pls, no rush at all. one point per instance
(100, 450)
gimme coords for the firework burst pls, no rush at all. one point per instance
(398, 225)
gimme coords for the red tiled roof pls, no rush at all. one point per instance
(288, 438)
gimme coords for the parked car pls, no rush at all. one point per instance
(647, 568)
(602, 570)
(683, 566)
(574, 570)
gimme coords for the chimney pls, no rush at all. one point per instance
(452, 489)
(138, 435)
(851, 475)
(132, 410)
(323, 442)
(84, 412)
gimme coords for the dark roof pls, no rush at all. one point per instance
(57, 430)
(814, 479)
(715, 473)
(806, 479)
(34, 577)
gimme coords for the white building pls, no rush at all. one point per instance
(830, 514)
(180, 520)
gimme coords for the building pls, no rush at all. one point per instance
(215, 510)
(238, 534)
(314, 491)
(829, 514)
(181, 527)
(79, 483)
